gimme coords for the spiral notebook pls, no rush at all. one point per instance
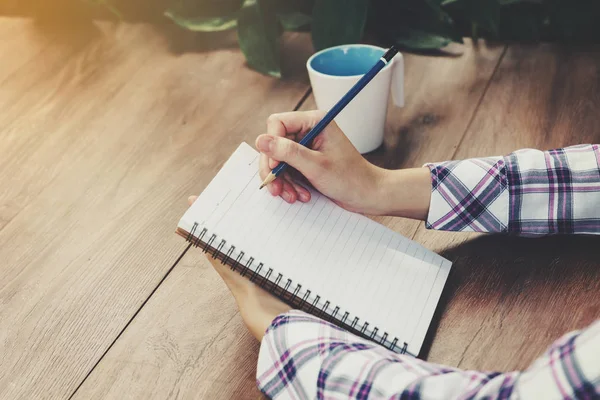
(316, 256)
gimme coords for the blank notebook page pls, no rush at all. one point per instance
(367, 270)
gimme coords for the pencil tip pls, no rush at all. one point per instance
(270, 178)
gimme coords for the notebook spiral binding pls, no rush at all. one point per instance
(200, 238)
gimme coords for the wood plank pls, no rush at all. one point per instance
(509, 298)
(442, 95)
(231, 375)
(187, 342)
(100, 147)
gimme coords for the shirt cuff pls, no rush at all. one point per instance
(469, 195)
(292, 353)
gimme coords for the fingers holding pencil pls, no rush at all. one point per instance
(292, 150)
(280, 144)
(331, 165)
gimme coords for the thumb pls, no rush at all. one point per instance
(285, 150)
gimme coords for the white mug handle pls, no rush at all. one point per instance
(398, 80)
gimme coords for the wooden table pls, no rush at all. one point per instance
(107, 127)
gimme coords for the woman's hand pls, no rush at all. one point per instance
(258, 308)
(335, 168)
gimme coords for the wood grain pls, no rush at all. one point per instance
(442, 96)
(507, 299)
(169, 379)
(105, 131)
(187, 342)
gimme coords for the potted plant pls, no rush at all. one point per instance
(422, 25)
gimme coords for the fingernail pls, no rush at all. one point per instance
(263, 142)
(286, 196)
(303, 196)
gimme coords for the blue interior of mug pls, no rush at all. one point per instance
(346, 60)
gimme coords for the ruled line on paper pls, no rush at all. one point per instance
(366, 269)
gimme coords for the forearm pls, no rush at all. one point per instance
(528, 192)
(304, 357)
(404, 193)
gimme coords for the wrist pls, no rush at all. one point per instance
(404, 193)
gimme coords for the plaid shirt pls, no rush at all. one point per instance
(529, 192)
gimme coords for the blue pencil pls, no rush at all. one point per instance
(335, 110)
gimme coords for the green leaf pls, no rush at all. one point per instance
(487, 15)
(205, 8)
(420, 40)
(412, 23)
(289, 6)
(440, 24)
(484, 14)
(258, 36)
(205, 15)
(337, 22)
(446, 2)
(294, 21)
(203, 24)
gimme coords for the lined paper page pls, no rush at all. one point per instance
(367, 270)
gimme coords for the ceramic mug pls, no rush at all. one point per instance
(335, 70)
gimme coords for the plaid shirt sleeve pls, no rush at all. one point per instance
(304, 357)
(528, 192)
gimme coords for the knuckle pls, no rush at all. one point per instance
(290, 150)
(324, 162)
(272, 118)
(315, 116)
